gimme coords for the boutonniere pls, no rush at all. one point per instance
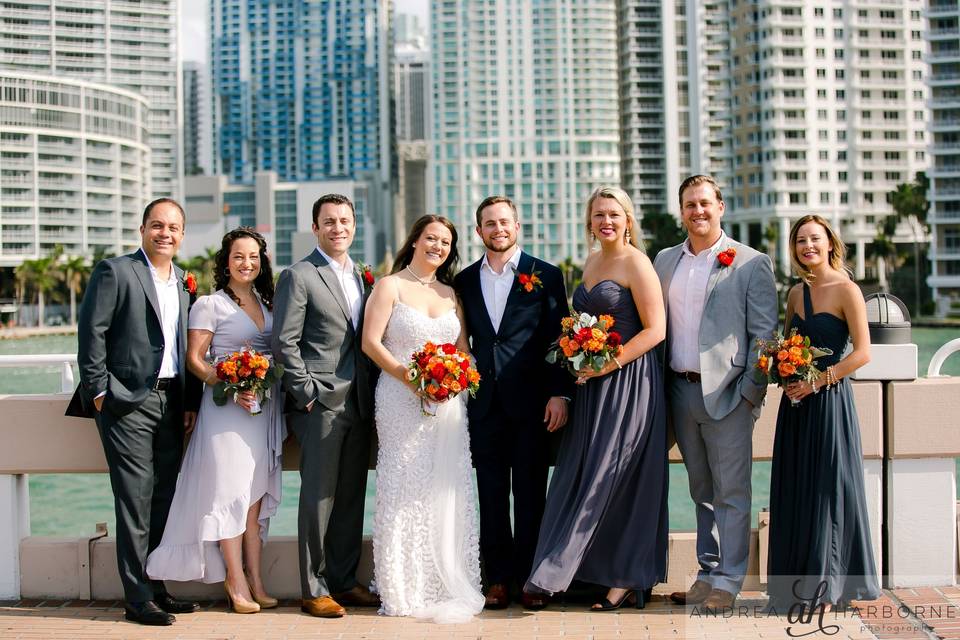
(529, 281)
(725, 258)
(366, 275)
(190, 283)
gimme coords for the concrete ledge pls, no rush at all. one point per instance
(32, 422)
(924, 418)
(50, 568)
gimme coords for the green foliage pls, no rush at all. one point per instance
(660, 231)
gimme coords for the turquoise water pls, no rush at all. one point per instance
(72, 504)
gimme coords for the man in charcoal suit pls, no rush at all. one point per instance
(132, 338)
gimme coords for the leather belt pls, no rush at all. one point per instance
(689, 376)
(162, 384)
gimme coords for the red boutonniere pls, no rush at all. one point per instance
(529, 281)
(190, 283)
(366, 275)
(726, 257)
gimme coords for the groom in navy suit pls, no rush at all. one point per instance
(513, 305)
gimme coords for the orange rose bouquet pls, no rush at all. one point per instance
(440, 372)
(783, 360)
(245, 370)
(586, 341)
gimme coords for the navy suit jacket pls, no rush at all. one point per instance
(511, 361)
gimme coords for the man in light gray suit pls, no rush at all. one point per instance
(720, 297)
(318, 311)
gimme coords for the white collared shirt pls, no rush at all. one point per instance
(687, 296)
(496, 286)
(349, 284)
(168, 297)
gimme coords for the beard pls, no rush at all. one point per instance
(490, 247)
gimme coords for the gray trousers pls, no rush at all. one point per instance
(143, 451)
(718, 455)
(334, 457)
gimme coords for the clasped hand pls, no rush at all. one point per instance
(799, 390)
(245, 399)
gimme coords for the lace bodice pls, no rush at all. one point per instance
(409, 329)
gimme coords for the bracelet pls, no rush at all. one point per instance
(813, 385)
(619, 366)
(206, 380)
(831, 376)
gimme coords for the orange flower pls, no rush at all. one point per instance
(606, 321)
(783, 354)
(796, 352)
(260, 373)
(455, 387)
(567, 323)
(786, 369)
(574, 345)
(763, 363)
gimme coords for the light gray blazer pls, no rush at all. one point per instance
(315, 340)
(740, 306)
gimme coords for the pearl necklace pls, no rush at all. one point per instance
(422, 281)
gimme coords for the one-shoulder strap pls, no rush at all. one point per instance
(807, 302)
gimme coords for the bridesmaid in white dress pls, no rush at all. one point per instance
(229, 484)
(425, 532)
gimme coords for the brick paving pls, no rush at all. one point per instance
(82, 620)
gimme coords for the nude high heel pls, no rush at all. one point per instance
(266, 602)
(238, 607)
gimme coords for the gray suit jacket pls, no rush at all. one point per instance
(315, 340)
(120, 342)
(740, 306)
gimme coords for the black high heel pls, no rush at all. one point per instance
(606, 605)
(643, 597)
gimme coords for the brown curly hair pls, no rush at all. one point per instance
(221, 275)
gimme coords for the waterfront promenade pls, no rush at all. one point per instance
(902, 613)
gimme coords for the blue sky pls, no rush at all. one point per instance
(193, 24)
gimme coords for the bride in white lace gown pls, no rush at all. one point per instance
(425, 531)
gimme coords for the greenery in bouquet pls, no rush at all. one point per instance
(782, 360)
(586, 341)
(245, 370)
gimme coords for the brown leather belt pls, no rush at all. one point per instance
(689, 376)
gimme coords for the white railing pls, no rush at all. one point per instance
(933, 369)
(64, 360)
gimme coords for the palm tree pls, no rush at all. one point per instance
(42, 275)
(909, 201)
(75, 271)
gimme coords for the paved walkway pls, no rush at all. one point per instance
(893, 616)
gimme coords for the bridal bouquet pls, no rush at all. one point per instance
(783, 360)
(245, 370)
(440, 372)
(586, 341)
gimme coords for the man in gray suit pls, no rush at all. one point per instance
(318, 311)
(720, 297)
(132, 337)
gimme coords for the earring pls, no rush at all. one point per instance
(626, 237)
(593, 237)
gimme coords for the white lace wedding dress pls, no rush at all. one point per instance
(425, 532)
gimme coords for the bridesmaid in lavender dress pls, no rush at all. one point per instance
(606, 514)
(229, 484)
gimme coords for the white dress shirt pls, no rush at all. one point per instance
(168, 297)
(349, 284)
(496, 286)
(687, 296)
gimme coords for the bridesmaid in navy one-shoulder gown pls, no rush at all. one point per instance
(820, 545)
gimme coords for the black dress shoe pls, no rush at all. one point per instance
(171, 605)
(147, 613)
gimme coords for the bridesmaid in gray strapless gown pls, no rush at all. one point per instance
(606, 515)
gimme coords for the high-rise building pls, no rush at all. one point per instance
(196, 119)
(76, 164)
(411, 96)
(944, 196)
(128, 45)
(674, 98)
(526, 105)
(829, 115)
(302, 88)
(407, 29)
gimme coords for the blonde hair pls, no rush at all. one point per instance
(634, 233)
(838, 251)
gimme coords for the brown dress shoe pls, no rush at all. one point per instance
(719, 599)
(323, 607)
(497, 597)
(698, 592)
(359, 596)
(534, 601)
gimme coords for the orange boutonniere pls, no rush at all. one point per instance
(529, 281)
(190, 283)
(726, 257)
(366, 275)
